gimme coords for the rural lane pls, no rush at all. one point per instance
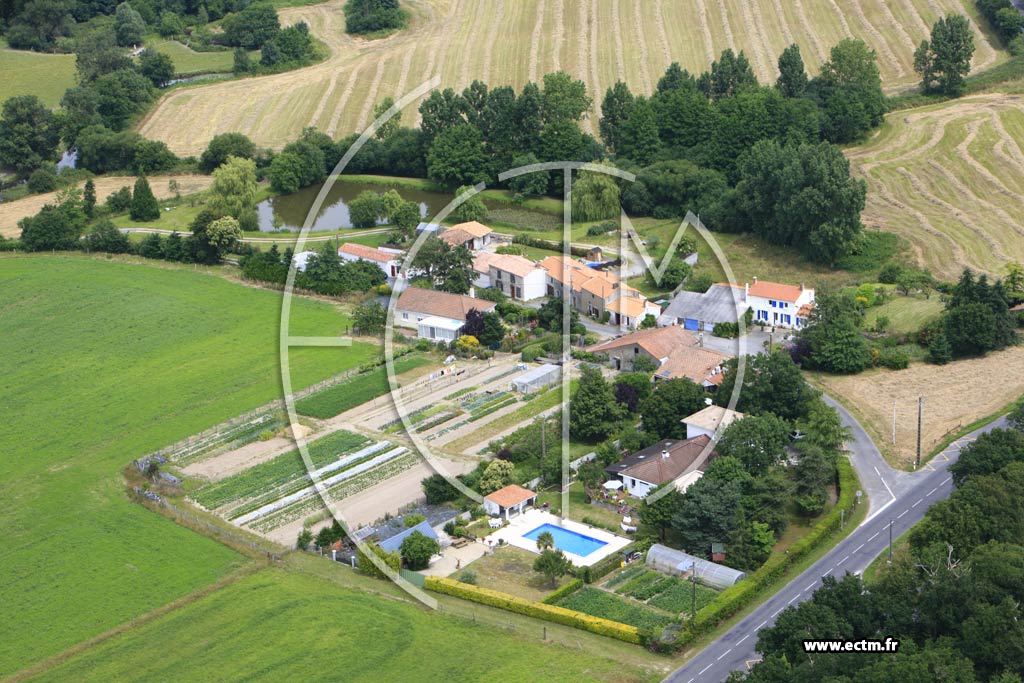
(912, 495)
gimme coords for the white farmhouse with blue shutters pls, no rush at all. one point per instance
(779, 305)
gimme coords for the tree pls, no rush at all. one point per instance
(595, 196)
(638, 135)
(155, 66)
(551, 564)
(645, 365)
(365, 210)
(772, 383)
(493, 331)
(144, 205)
(447, 268)
(40, 23)
(370, 317)
(564, 99)
(758, 442)
(388, 128)
(676, 78)
(417, 549)
(29, 134)
(708, 513)
(473, 209)
(223, 146)
(89, 198)
(390, 559)
(594, 413)
(457, 157)
(304, 539)
(223, 233)
(939, 351)
(730, 74)
(849, 89)
(369, 16)
(105, 237)
(615, 111)
(438, 490)
(831, 334)
(56, 226)
(814, 471)
(129, 25)
(251, 28)
(496, 475)
(234, 187)
(988, 454)
(792, 81)
(659, 513)
(545, 540)
(631, 388)
(668, 404)
(533, 184)
(242, 64)
(823, 427)
(945, 61)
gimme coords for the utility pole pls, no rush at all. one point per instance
(920, 409)
(693, 601)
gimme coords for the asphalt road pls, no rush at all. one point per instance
(914, 494)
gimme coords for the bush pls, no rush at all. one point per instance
(537, 610)
(726, 330)
(894, 359)
(366, 566)
(890, 273)
(468, 576)
(532, 352)
(42, 180)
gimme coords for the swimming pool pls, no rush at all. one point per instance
(568, 541)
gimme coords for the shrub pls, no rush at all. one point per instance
(366, 566)
(894, 359)
(42, 180)
(726, 330)
(537, 610)
(468, 576)
(532, 353)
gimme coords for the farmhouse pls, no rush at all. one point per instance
(482, 268)
(700, 312)
(698, 364)
(596, 292)
(674, 350)
(517, 277)
(779, 305)
(388, 261)
(678, 461)
(509, 501)
(472, 235)
(436, 315)
(710, 420)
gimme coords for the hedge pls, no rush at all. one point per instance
(735, 598)
(565, 590)
(600, 569)
(537, 610)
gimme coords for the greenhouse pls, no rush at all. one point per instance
(677, 563)
(536, 379)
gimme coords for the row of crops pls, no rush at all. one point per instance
(653, 588)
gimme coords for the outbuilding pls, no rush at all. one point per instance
(536, 379)
(674, 562)
(509, 501)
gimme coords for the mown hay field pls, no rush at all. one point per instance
(504, 42)
(12, 212)
(106, 361)
(950, 179)
(32, 73)
(955, 396)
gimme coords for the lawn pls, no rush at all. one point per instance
(105, 361)
(188, 61)
(279, 626)
(905, 313)
(580, 507)
(32, 73)
(510, 570)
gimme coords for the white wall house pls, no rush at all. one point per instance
(446, 311)
(519, 278)
(779, 305)
(388, 260)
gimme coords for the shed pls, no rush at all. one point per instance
(677, 563)
(536, 379)
(436, 328)
(394, 543)
(509, 501)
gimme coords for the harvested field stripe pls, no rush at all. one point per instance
(911, 9)
(620, 63)
(475, 30)
(328, 91)
(535, 41)
(492, 38)
(594, 50)
(1013, 155)
(705, 30)
(659, 22)
(819, 50)
(723, 14)
(559, 37)
(759, 45)
(970, 196)
(787, 33)
(371, 96)
(403, 77)
(898, 26)
(879, 42)
(964, 153)
(925, 223)
(638, 30)
(332, 129)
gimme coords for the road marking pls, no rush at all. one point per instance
(902, 513)
(723, 654)
(883, 482)
(776, 612)
(759, 626)
(691, 680)
(810, 586)
(742, 639)
(945, 481)
(933, 490)
(842, 560)
(793, 598)
(828, 572)
(917, 503)
(873, 537)
(701, 672)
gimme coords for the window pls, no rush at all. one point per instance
(405, 315)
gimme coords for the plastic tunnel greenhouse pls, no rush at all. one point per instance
(677, 563)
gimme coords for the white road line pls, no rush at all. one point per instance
(842, 560)
(875, 513)
(828, 572)
(691, 680)
(873, 537)
(742, 639)
(723, 654)
(917, 503)
(701, 672)
(902, 513)
(933, 490)
(883, 482)
(792, 599)
(810, 585)
(776, 612)
(857, 549)
(946, 480)
(761, 625)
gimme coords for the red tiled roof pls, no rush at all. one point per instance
(512, 494)
(775, 290)
(455, 236)
(364, 252)
(474, 228)
(659, 342)
(442, 304)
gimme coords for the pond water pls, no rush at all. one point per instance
(288, 212)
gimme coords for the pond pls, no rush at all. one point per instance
(288, 212)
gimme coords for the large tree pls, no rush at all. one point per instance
(551, 564)
(758, 441)
(835, 342)
(29, 134)
(223, 146)
(668, 404)
(457, 157)
(56, 226)
(594, 412)
(234, 188)
(849, 89)
(792, 81)
(615, 111)
(772, 383)
(144, 205)
(447, 268)
(417, 549)
(945, 60)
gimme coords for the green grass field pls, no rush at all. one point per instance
(31, 73)
(105, 362)
(309, 629)
(188, 61)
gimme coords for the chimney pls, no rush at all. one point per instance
(664, 454)
(472, 291)
(746, 290)
(801, 286)
(755, 279)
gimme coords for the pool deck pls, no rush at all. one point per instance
(513, 534)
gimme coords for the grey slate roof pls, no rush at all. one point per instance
(395, 542)
(713, 306)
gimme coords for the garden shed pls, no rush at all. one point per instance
(536, 379)
(677, 563)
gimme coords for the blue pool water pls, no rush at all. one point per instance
(568, 541)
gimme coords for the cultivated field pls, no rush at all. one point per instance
(32, 73)
(504, 42)
(950, 179)
(12, 212)
(955, 396)
(104, 362)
